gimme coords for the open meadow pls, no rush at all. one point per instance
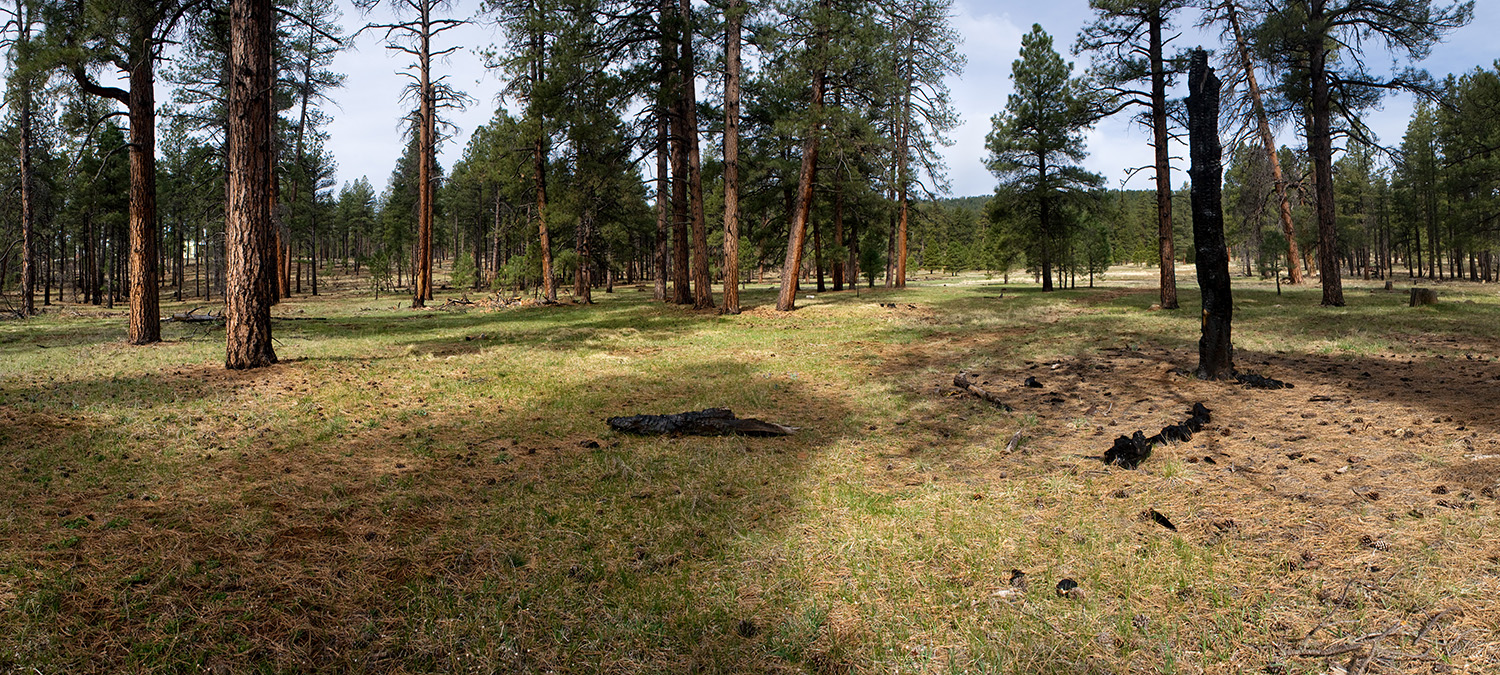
(437, 490)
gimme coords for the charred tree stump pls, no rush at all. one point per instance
(1215, 352)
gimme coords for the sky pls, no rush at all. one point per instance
(365, 136)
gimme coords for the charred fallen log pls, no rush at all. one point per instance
(1254, 381)
(1130, 451)
(709, 422)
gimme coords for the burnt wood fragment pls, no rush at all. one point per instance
(709, 422)
(1129, 451)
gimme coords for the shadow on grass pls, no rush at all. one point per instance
(451, 542)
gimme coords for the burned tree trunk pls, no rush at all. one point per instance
(1215, 353)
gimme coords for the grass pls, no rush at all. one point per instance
(436, 491)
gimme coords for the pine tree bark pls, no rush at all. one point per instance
(249, 233)
(145, 308)
(786, 300)
(28, 195)
(682, 293)
(425, 159)
(282, 279)
(732, 19)
(1215, 351)
(838, 231)
(672, 77)
(703, 289)
(902, 171)
(583, 283)
(663, 231)
(1163, 166)
(539, 170)
(1320, 146)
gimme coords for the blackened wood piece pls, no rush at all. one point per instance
(709, 422)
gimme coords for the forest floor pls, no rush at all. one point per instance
(437, 491)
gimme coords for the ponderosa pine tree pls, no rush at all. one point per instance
(249, 236)
(734, 14)
(924, 46)
(128, 35)
(1468, 125)
(1131, 35)
(817, 53)
(527, 24)
(1231, 14)
(414, 38)
(703, 296)
(26, 77)
(314, 42)
(1419, 182)
(1315, 43)
(1037, 140)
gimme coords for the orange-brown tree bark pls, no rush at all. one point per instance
(249, 233)
(703, 296)
(791, 267)
(732, 18)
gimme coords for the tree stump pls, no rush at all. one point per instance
(1421, 297)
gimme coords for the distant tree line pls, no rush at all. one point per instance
(813, 159)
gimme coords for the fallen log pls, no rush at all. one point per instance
(1130, 451)
(968, 383)
(1255, 381)
(192, 316)
(709, 422)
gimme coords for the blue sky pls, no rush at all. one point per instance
(365, 137)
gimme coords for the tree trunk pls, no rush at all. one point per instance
(582, 279)
(1320, 146)
(838, 230)
(903, 159)
(1268, 141)
(817, 234)
(249, 232)
(1215, 352)
(1160, 140)
(786, 300)
(703, 295)
(663, 231)
(732, 17)
(28, 194)
(283, 287)
(145, 310)
(425, 160)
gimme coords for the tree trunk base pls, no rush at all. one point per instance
(1421, 297)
